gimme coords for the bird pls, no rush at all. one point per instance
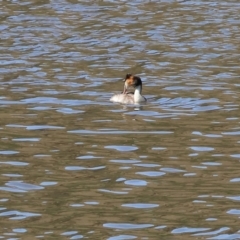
(129, 97)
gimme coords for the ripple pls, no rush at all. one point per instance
(26, 139)
(200, 167)
(111, 191)
(77, 237)
(40, 108)
(5, 102)
(87, 157)
(78, 168)
(91, 203)
(76, 205)
(19, 215)
(120, 179)
(235, 198)
(212, 232)
(235, 180)
(226, 237)
(7, 189)
(43, 127)
(125, 161)
(202, 149)
(8, 152)
(158, 148)
(136, 182)
(140, 205)
(12, 175)
(199, 201)
(213, 135)
(231, 133)
(189, 230)
(144, 113)
(212, 163)
(118, 132)
(172, 170)
(19, 230)
(151, 173)
(15, 163)
(41, 155)
(235, 155)
(122, 237)
(23, 186)
(160, 227)
(127, 226)
(146, 165)
(48, 183)
(69, 111)
(69, 233)
(234, 211)
(211, 219)
(189, 174)
(15, 125)
(122, 148)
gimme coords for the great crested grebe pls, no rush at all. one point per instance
(128, 97)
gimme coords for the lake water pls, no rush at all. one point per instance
(74, 165)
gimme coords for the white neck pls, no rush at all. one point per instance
(137, 94)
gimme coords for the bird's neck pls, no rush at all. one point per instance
(137, 94)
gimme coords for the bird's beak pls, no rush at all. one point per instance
(125, 87)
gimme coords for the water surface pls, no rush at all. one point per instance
(74, 165)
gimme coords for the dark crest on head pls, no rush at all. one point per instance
(137, 81)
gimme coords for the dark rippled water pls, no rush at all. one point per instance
(74, 165)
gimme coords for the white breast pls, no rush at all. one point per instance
(123, 98)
